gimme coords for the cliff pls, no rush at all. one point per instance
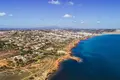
(66, 57)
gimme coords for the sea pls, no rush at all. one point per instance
(100, 60)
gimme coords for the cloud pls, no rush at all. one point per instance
(98, 22)
(73, 16)
(68, 16)
(70, 3)
(10, 15)
(82, 22)
(2, 13)
(56, 2)
(74, 21)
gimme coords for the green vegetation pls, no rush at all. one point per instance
(23, 52)
(6, 45)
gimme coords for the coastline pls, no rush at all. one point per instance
(68, 55)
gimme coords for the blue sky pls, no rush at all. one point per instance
(62, 13)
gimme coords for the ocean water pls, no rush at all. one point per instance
(101, 60)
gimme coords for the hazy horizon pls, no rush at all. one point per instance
(60, 13)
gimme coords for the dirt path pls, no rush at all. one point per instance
(5, 54)
(41, 70)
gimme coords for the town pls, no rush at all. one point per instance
(30, 54)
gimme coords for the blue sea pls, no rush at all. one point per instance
(100, 60)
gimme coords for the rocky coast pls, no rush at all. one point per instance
(68, 55)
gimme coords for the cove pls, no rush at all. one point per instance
(100, 60)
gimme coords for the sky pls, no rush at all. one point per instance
(60, 13)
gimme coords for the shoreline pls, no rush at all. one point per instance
(67, 56)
